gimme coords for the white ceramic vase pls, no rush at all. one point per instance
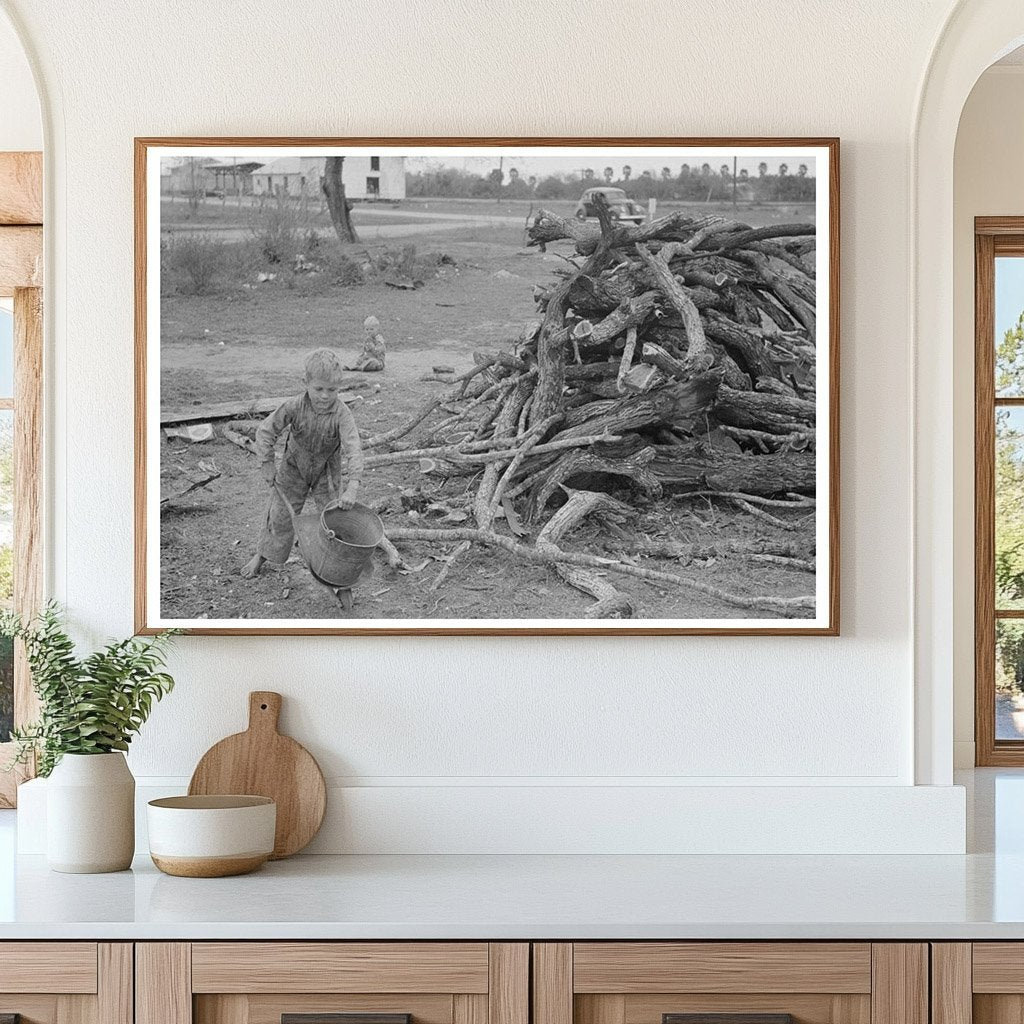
(90, 814)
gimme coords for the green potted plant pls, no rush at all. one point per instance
(90, 708)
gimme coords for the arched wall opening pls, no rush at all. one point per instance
(988, 158)
(976, 35)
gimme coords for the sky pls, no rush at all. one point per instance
(6, 353)
(1009, 293)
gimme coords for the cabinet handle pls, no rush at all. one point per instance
(336, 1018)
(727, 1018)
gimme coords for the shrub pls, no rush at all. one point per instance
(333, 269)
(280, 230)
(345, 270)
(193, 259)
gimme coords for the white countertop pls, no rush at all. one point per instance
(977, 896)
(517, 897)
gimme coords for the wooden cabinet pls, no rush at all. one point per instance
(66, 982)
(264, 982)
(758, 982)
(494, 983)
(978, 983)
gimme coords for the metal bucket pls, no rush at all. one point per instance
(337, 544)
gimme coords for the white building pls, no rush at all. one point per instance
(364, 177)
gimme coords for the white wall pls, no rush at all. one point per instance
(465, 711)
(21, 126)
(988, 180)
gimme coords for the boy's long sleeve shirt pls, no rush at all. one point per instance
(317, 442)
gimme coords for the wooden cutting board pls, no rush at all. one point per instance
(262, 762)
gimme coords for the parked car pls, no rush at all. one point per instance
(622, 207)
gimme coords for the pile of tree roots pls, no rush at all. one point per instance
(674, 359)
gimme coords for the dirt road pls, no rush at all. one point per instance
(371, 223)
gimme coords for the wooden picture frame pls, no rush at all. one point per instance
(215, 175)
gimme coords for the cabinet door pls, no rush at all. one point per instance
(66, 982)
(980, 982)
(332, 983)
(730, 983)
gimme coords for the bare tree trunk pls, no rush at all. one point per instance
(193, 195)
(337, 204)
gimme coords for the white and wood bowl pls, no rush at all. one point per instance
(211, 836)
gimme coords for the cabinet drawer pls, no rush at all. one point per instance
(635, 967)
(730, 983)
(998, 967)
(66, 982)
(340, 967)
(332, 983)
(64, 967)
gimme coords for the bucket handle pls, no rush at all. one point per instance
(291, 512)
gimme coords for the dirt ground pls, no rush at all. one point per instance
(248, 341)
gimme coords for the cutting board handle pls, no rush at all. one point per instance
(264, 710)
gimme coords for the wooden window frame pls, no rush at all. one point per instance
(993, 237)
(21, 278)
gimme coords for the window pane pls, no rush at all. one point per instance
(1009, 679)
(1009, 532)
(6, 567)
(6, 353)
(1009, 318)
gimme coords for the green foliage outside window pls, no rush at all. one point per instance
(1009, 509)
(1009, 471)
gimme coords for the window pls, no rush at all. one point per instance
(20, 499)
(21, 366)
(999, 490)
(374, 163)
(373, 186)
(6, 513)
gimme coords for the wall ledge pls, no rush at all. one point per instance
(680, 819)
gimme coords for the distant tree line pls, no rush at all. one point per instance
(692, 183)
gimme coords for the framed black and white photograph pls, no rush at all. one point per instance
(487, 386)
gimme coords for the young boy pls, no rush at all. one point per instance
(322, 450)
(371, 359)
